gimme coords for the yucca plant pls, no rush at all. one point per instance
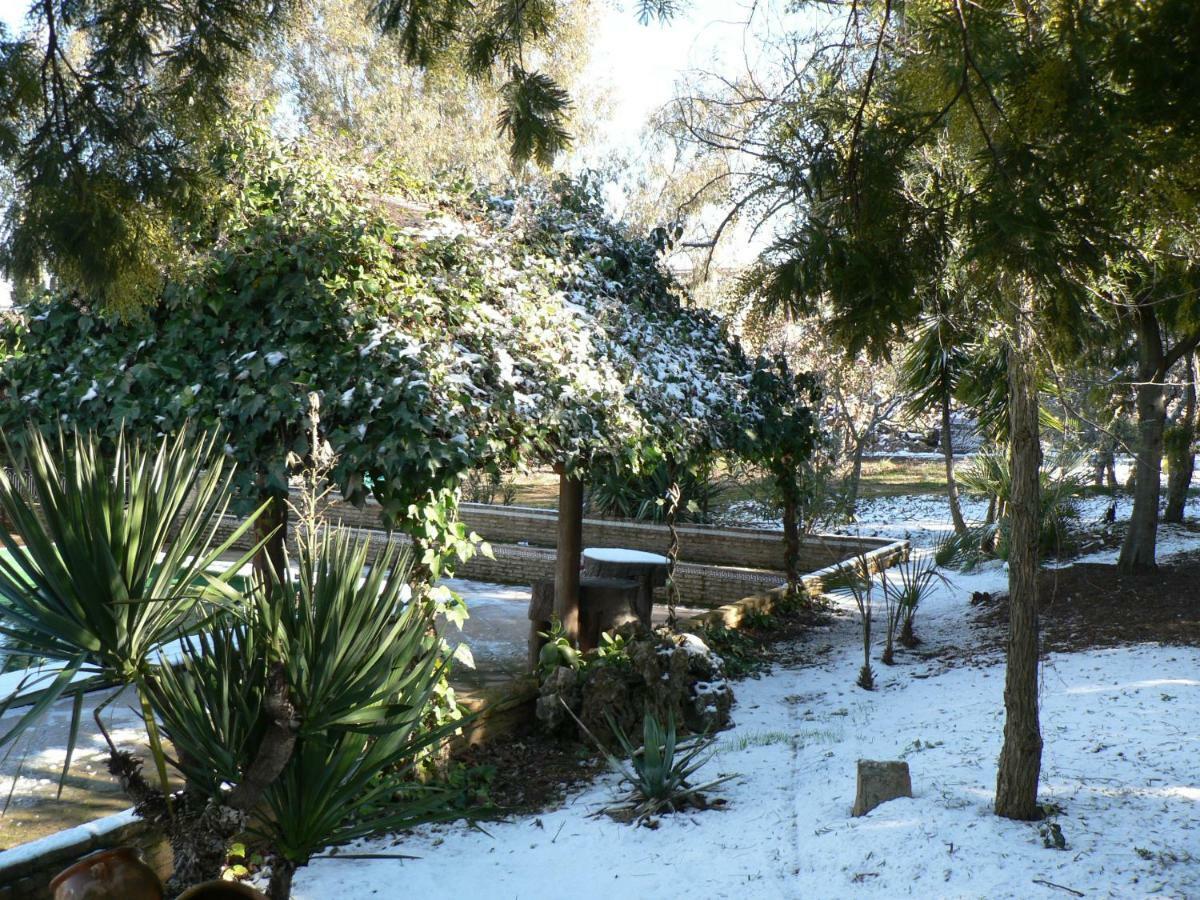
(854, 579)
(110, 562)
(314, 706)
(659, 772)
(905, 586)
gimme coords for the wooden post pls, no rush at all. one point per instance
(570, 546)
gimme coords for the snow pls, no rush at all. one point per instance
(924, 519)
(618, 555)
(1118, 764)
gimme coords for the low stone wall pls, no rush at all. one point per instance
(815, 583)
(747, 548)
(718, 565)
(26, 870)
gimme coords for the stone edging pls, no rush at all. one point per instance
(731, 614)
(26, 870)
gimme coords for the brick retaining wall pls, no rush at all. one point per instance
(751, 548)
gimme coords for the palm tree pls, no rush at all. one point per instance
(930, 373)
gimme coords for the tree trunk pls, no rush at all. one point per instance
(273, 526)
(791, 537)
(960, 524)
(1181, 461)
(1137, 553)
(1021, 754)
(570, 545)
(1110, 467)
(282, 872)
(854, 478)
(674, 496)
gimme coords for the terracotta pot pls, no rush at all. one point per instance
(221, 890)
(117, 874)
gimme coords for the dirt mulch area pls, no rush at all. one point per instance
(1089, 605)
(529, 772)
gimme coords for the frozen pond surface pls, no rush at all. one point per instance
(497, 630)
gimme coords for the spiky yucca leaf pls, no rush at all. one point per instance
(111, 554)
(111, 565)
(361, 660)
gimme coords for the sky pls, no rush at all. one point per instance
(636, 65)
(640, 64)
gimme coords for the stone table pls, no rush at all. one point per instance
(648, 569)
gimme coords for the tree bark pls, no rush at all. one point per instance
(791, 537)
(1137, 553)
(960, 524)
(1021, 754)
(1181, 460)
(570, 546)
(273, 526)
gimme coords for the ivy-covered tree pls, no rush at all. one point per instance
(441, 330)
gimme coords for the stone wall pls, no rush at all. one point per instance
(717, 565)
(748, 548)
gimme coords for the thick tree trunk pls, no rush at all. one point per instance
(1137, 553)
(1021, 755)
(273, 526)
(570, 546)
(1181, 460)
(960, 524)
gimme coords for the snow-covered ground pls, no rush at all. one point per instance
(924, 519)
(1119, 766)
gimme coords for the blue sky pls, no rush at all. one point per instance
(639, 64)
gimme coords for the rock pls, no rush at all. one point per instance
(880, 781)
(673, 676)
(561, 686)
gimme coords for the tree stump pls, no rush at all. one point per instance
(649, 570)
(880, 781)
(604, 605)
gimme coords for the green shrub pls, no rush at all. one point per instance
(621, 495)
